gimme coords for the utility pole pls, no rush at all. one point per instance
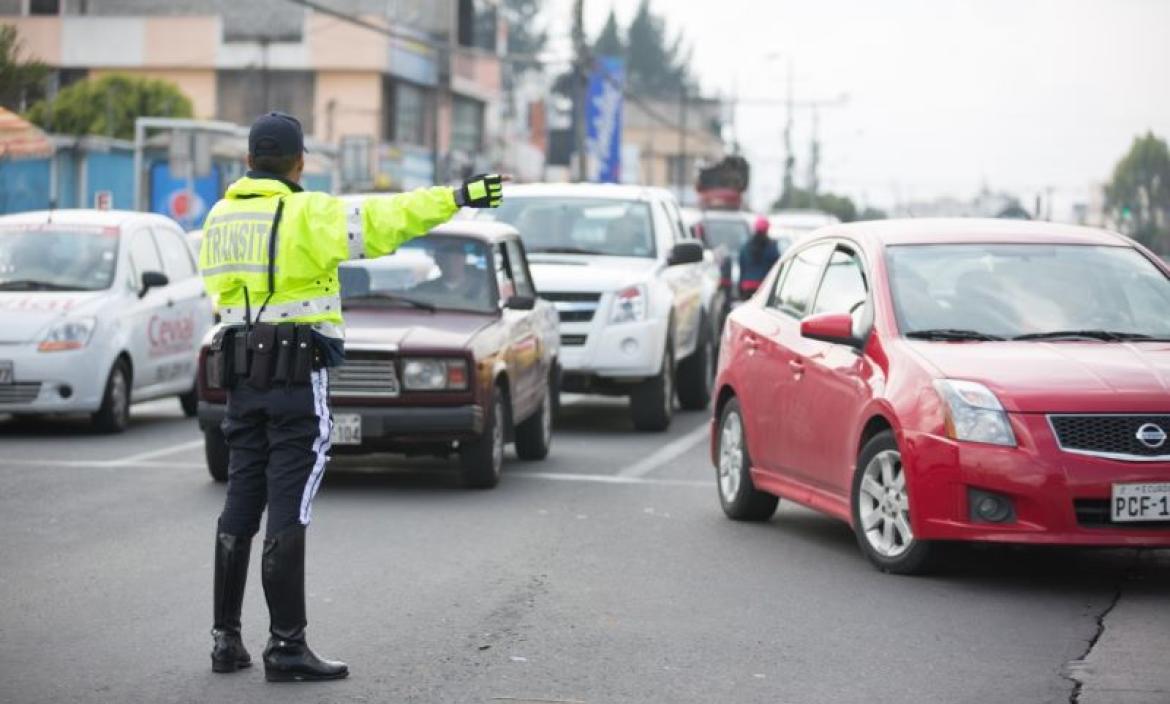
(682, 144)
(581, 66)
(789, 156)
(814, 160)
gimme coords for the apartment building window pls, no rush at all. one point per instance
(244, 95)
(44, 7)
(466, 125)
(406, 112)
(478, 24)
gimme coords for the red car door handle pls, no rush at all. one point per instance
(796, 366)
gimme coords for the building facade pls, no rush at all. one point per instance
(410, 98)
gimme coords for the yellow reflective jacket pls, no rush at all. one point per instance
(316, 233)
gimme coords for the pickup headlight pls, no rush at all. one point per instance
(973, 413)
(68, 335)
(629, 305)
(422, 374)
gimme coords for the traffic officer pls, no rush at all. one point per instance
(269, 261)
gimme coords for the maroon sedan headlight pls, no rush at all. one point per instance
(434, 374)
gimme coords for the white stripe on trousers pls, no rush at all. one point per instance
(319, 380)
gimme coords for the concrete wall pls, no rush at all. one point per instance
(357, 104)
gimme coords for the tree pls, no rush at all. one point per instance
(1138, 196)
(109, 105)
(20, 78)
(655, 65)
(525, 35)
(609, 42)
(842, 207)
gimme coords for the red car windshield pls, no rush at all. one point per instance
(1029, 291)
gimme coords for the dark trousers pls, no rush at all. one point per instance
(278, 442)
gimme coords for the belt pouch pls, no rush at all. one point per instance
(303, 358)
(262, 347)
(218, 370)
(239, 347)
(286, 338)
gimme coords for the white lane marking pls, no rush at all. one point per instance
(161, 452)
(547, 476)
(607, 479)
(142, 459)
(666, 453)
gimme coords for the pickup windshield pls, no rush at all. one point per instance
(430, 273)
(1028, 292)
(57, 259)
(601, 226)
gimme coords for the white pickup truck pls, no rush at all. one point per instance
(638, 295)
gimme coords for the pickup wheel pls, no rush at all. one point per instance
(534, 436)
(482, 460)
(652, 402)
(696, 373)
(215, 449)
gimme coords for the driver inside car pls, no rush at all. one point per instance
(457, 279)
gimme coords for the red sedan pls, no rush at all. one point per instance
(953, 380)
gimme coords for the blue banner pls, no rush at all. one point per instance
(603, 119)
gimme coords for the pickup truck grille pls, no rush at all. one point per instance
(365, 376)
(574, 307)
(1113, 436)
(573, 340)
(20, 393)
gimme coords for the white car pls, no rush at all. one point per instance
(98, 309)
(638, 296)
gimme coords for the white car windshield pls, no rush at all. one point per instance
(431, 273)
(604, 226)
(57, 259)
(1028, 291)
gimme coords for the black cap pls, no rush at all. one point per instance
(276, 134)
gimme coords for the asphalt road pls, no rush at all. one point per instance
(605, 574)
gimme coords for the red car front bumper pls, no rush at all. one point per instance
(1059, 498)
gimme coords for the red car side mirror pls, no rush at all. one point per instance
(836, 328)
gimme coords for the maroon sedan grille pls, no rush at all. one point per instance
(1134, 437)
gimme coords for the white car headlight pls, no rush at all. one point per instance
(973, 413)
(70, 334)
(422, 374)
(629, 305)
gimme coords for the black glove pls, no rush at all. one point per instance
(482, 191)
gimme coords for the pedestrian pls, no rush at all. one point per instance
(269, 260)
(756, 258)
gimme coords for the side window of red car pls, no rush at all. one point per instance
(843, 288)
(795, 293)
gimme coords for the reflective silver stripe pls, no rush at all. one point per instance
(236, 269)
(237, 217)
(274, 313)
(356, 240)
(329, 329)
(319, 380)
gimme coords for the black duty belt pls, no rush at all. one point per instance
(262, 355)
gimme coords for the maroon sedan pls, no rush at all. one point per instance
(953, 380)
(448, 352)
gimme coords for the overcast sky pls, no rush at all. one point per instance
(944, 95)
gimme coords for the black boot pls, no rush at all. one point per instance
(288, 657)
(231, 573)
